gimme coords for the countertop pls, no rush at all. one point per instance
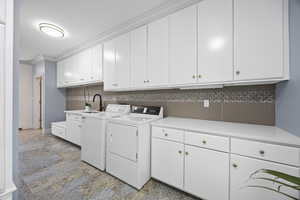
(269, 134)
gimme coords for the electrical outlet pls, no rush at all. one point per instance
(206, 103)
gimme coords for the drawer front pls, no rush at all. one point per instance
(58, 131)
(207, 141)
(73, 117)
(168, 134)
(272, 152)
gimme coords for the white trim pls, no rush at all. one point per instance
(141, 20)
(7, 194)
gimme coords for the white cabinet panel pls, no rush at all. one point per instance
(60, 74)
(183, 46)
(123, 60)
(206, 173)
(2, 10)
(259, 38)
(139, 57)
(96, 65)
(243, 167)
(109, 65)
(74, 131)
(167, 162)
(158, 53)
(215, 41)
(84, 65)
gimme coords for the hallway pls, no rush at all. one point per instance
(50, 168)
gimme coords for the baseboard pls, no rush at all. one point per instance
(46, 131)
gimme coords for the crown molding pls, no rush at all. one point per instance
(38, 59)
(143, 19)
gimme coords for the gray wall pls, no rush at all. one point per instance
(54, 99)
(288, 93)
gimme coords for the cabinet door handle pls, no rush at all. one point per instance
(186, 153)
(234, 165)
(194, 76)
(199, 76)
(262, 152)
(180, 152)
(204, 142)
(237, 72)
(166, 134)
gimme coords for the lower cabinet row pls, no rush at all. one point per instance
(211, 174)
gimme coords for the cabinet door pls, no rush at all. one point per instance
(122, 51)
(158, 45)
(71, 75)
(109, 64)
(259, 33)
(243, 167)
(2, 10)
(139, 57)
(84, 65)
(215, 41)
(167, 162)
(60, 73)
(74, 132)
(96, 62)
(206, 173)
(183, 46)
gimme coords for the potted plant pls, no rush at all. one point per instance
(280, 179)
(88, 107)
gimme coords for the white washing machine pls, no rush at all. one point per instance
(93, 134)
(128, 145)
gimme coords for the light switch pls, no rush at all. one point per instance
(206, 103)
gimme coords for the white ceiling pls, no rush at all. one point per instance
(82, 19)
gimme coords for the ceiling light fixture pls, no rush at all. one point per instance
(52, 30)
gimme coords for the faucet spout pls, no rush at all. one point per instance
(100, 97)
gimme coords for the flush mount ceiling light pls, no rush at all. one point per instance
(52, 30)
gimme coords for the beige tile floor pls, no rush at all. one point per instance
(50, 169)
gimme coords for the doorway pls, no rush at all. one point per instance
(37, 102)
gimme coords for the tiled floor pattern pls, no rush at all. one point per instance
(50, 169)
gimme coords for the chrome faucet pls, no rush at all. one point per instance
(100, 97)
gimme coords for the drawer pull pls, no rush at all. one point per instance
(262, 152)
(234, 165)
(186, 153)
(180, 152)
(166, 134)
(204, 142)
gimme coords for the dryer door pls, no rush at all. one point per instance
(123, 141)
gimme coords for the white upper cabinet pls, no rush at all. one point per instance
(123, 60)
(261, 39)
(117, 63)
(139, 57)
(183, 46)
(96, 65)
(215, 41)
(158, 52)
(2, 11)
(109, 65)
(82, 68)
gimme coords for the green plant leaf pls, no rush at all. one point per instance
(279, 182)
(292, 179)
(273, 190)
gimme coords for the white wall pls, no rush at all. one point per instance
(26, 97)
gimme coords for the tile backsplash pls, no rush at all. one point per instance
(247, 104)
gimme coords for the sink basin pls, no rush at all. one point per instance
(90, 111)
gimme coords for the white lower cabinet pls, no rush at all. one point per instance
(241, 169)
(167, 162)
(202, 165)
(73, 130)
(206, 173)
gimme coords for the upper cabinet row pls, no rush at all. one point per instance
(2, 11)
(80, 69)
(213, 42)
